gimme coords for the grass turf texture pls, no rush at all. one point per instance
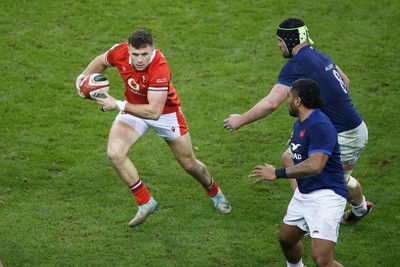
(61, 204)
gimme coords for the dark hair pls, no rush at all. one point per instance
(291, 23)
(308, 91)
(140, 39)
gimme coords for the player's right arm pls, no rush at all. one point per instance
(98, 65)
(262, 109)
(311, 166)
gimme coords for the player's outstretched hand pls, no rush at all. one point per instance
(232, 123)
(266, 172)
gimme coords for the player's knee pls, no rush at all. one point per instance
(321, 259)
(285, 242)
(282, 242)
(189, 165)
(114, 155)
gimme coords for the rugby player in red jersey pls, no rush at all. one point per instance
(151, 101)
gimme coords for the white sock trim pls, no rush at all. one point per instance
(361, 209)
(299, 264)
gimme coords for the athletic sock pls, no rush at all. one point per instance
(140, 192)
(361, 209)
(299, 264)
(212, 189)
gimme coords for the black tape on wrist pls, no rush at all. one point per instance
(280, 173)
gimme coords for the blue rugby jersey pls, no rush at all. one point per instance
(313, 64)
(317, 134)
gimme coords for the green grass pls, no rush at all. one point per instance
(61, 204)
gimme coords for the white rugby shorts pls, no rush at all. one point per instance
(318, 213)
(352, 143)
(169, 126)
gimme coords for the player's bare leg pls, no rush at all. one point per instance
(122, 137)
(291, 244)
(322, 253)
(355, 196)
(360, 207)
(183, 152)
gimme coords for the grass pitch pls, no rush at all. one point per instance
(61, 204)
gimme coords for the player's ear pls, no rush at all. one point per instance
(298, 101)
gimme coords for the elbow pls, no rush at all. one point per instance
(274, 106)
(314, 169)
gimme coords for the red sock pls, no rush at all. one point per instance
(140, 192)
(212, 189)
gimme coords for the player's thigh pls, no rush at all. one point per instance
(181, 147)
(352, 143)
(121, 138)
(290, 234)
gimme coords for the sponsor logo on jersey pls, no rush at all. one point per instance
(133, 85)
(161, 80)
(293, 148)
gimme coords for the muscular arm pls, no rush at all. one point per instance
(262, 109)
(98, 65)
(311, 166)
(151, 111)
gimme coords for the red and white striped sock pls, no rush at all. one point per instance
(140, 192)
(212, 189)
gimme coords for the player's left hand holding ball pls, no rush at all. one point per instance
(108, 103)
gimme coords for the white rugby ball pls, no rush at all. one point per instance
(94, 86)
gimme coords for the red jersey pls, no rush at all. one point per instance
(156, 77)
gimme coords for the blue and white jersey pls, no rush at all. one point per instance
(313, 64)
(317, 134)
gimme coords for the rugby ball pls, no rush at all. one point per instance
(94, 85)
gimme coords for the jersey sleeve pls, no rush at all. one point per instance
(322, 138)
(160, 78)
(290, 72)
(111, 55)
